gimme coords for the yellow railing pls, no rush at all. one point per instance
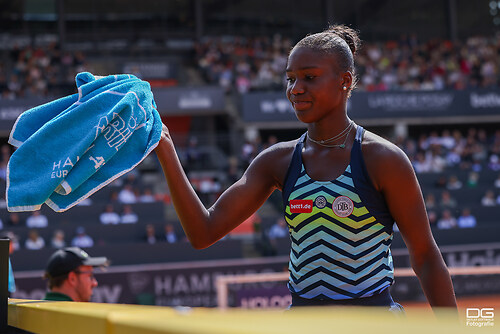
(94, 318)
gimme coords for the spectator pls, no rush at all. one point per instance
(421, 164)
(109, 216)
(447, 140)
(147, 196)
(453, 183)
(436, 161)
(472, 179)
(82, 239)
(488, 199)
(466, 219)
(128, 215)
(70, 274)
(170, 235)
(441, 182)
(57, 240)
(150, 234)
(14, 219)
(447, 202)
(248, 153)
(453, 157)
(278, 230)
(86, 202)
(497, 182)
(114, 196)
(447, 221)
(193, 155)
(34, 241)
(37, 220)
(494, 163)
(209, 189)
(433, 218)
(430, 201)
(127, 195)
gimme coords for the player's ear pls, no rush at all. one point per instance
(347, 79)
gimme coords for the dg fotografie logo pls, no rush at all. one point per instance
(480, 317)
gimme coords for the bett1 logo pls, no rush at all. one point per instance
(480, 317)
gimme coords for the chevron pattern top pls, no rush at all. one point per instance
(340, 230)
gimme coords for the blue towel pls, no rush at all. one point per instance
(71, 147)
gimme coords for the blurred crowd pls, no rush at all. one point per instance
(39, 71)
(434, 152)
(408, 64)
(245, 64)
(405, 64)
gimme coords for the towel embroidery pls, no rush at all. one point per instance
(81, 142)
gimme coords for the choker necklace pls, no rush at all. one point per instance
(326, 142)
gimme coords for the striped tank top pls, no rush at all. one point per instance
(340, 230)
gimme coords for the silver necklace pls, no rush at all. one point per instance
(325, 143)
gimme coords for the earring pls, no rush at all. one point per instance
(344, 88)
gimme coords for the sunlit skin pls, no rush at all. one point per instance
(316, 90)
(311, 76)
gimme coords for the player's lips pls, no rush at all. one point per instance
(301, 104)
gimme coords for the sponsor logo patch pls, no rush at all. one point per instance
(301, 205)
(320, 202)
(342, 206)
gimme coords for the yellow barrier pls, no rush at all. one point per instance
(93, 318)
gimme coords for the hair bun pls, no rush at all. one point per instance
(347, 34)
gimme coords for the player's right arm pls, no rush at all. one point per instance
(205, 226)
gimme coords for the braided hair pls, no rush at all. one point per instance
(338, 40)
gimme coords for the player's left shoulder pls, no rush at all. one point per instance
(383, 158)
(375, 148)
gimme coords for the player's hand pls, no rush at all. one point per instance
(165, 134)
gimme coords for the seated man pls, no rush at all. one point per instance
(70, 274)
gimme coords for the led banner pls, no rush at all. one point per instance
(274, 106)
(193, 283)
(11, 109)
(169, 284)
(203, 100)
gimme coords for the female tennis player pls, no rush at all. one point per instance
(343, 189)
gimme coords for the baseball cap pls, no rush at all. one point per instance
(68, 259)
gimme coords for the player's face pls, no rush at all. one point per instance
(314, 84)
(86, 283)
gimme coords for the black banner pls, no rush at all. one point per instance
(192, 283)
(180, 284)
(11, 109)
(204, 100)
(270, 107)
(275, 107)
(267, 107)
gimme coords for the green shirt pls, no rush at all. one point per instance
(57, 296)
